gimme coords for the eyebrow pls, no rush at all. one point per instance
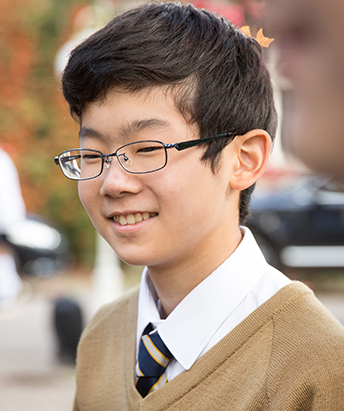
(134, 126)
(90, 132)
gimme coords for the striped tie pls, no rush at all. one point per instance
(152, 361)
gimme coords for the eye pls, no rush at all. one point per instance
(149, 149)
(90, 157)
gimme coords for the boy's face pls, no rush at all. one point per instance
(193, 213)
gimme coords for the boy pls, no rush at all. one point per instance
(176, 111)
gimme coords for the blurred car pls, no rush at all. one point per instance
(301, 225)
(40, 249)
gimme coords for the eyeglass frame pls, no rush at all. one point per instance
(106, 158)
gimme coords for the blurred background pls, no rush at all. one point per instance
(63, 271)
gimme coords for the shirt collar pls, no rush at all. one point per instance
(190, 326)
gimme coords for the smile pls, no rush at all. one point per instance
(133, 218)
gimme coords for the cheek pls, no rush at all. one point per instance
(88, 194)
(191, 193)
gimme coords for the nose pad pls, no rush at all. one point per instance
(125, 160)
(107, 161)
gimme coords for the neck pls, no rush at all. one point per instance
(173, 284)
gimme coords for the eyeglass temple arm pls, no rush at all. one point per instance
(193, 143)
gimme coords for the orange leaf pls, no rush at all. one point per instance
(262, 40)
(246, 30)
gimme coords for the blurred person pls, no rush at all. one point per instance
(12, 209)
(182, 104)
(310, 37)
(68, 324)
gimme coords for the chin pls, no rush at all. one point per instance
(132, 258)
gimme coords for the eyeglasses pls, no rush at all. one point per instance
(140, 157)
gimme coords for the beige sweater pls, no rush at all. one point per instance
(287, 355)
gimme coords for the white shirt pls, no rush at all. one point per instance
(212, 309)
(12, 208)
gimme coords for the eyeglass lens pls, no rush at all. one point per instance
(138, 157)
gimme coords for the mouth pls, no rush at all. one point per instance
(131, 219)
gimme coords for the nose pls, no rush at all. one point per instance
(116, 181)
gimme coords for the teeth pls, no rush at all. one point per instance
(138, 217)
(122, 220)
(132, 219)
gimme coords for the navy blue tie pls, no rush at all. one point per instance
(152, 361)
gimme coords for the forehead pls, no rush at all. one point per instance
(128, 114)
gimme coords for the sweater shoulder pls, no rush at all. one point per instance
(307, 347)
(305, 317)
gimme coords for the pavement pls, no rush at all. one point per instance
(31, 377)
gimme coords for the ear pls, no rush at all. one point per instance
(252, 151)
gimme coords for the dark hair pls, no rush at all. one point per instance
(217, 74)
